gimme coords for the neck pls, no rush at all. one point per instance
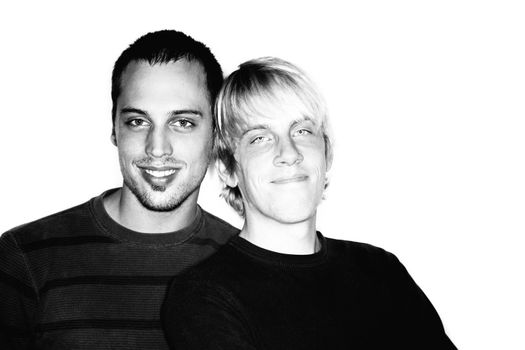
(287, 238)
(124, 207)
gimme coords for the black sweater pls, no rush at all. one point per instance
(347, 296)
(79, 280)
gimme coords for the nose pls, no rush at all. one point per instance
(158, 144)
(287, 154)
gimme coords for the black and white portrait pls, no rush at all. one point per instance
(426, 107)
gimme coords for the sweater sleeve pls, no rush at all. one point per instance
(201, 316)
(418, 323)
(18, 298)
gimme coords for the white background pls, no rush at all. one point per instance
(426, 100)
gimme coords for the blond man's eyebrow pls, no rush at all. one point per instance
(303, 119)
(266, 126)
(255, 127)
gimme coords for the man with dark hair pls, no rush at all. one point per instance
(94, 276)
(159, 47)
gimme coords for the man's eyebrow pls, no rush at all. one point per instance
(266, 126)
(186, 111)
(255, 127)
(303, 119)
(130, 110)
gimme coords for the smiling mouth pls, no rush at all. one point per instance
(160, 173)
(286, 180)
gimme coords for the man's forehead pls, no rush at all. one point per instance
(278, 105)
(182, 74)
(179, 81)
(143, 70)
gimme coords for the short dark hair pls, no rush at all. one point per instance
(163, 47)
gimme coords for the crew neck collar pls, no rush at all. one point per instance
(271, 257)
(122, 233)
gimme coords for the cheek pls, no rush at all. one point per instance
(254, 165)
(317, 163)
(124, 136)
(247, 176)
(198, 141)
(198, 149)
(129, 145)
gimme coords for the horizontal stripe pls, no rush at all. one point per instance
(100, 324)
(13, 331)
(106, 280)
(17, 285)
(205, 241)
(64, 241)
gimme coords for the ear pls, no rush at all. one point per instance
(228, 179)
(329, 154)
(113, 137)
(329, 160)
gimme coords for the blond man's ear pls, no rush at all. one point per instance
(113, 137)
(329, 153)
(228, 179)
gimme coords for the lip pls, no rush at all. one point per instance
(290, 179)
(161, 175)
(158, 168)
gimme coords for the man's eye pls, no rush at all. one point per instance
(135, 123)
(258, 139)
(183, 124)
(303, 132)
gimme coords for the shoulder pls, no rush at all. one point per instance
(206, 297)
(217, 223)
(216, 228)
(211, 281)
(63, 223)
(222, 271)
(218, 268)
(363, 256)
(17, 243)
(358, 250)
(388, 284)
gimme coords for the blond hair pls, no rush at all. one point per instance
(257, 82)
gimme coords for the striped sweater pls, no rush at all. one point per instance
(79, 280)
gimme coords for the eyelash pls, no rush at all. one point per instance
(137, 123)
(300, 132)
(188, 123)
(133, 123)
(257, 139)
(308, 132)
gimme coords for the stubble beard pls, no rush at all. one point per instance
(146, 197)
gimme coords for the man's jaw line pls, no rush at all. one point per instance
(140, 218)
(147, 205)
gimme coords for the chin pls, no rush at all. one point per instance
(287, 216)
(162, 203)
(158, 198)
(295, 208)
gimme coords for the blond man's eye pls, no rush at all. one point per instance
(303, 132)
(258, 139)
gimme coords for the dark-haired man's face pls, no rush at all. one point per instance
(163, 131)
